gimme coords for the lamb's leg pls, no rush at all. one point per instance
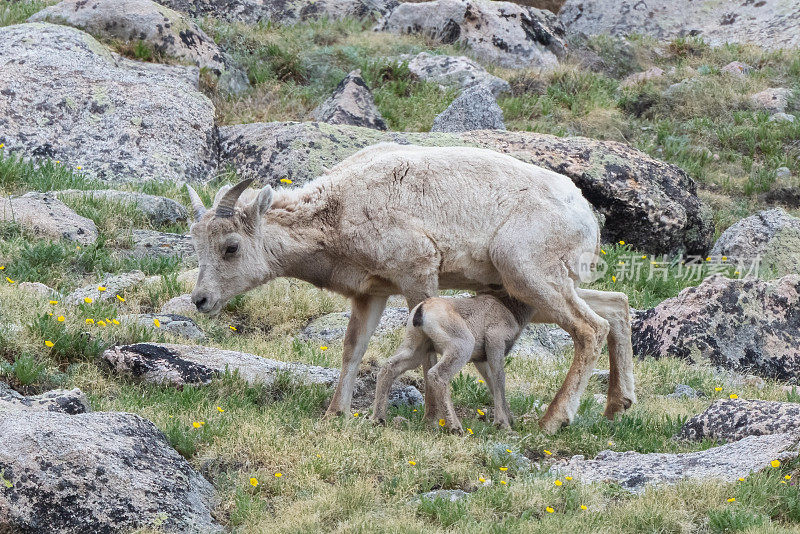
(494, 369)
(456, 352)
(613, 307)
(365, 315)
(407, 357)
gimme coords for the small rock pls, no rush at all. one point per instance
(731, 420)
(37, 288)
(177, 325)
(46, 216)
(159, 210)
(599, 398)
(58, 400)
(475, 109)
(97, 472)
(641, 77)
(727, 463)
(782, 173)
(152, 244)
(774, 99)
(737, 68)
(781, 117)
(180, 305)
(541, 341)
(114, 285)
(682, 391)
(351, 103)
(453, 71)
(400, 422)
(445, 495)
(514, 460)
(601, 375)
(753, 381)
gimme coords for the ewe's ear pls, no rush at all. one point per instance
(261, 204)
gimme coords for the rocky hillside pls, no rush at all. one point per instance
(124, 410)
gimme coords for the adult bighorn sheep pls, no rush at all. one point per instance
(410, 220)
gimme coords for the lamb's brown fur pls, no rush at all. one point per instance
(479, 329)
(410, 220)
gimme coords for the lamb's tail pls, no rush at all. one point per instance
(417, 320)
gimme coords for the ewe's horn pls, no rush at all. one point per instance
(197, 204)
(227, 204)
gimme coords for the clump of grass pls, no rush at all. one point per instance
(19, 11)
(25, 370)
(18, 175)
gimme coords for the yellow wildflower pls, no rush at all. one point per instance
(508, 451)
(53, 302)
(503, 482)
(323, 348)
(10, 281)
(60, 318)
(470, 432)
(717, 388)
(732, 499)
(101, 323)
(220, 409)
(775, 463)
(101, 288)
(442, 422)
(557, 482)
(613, 278)
(278, 475)
(549, 510)
(622, 242)
(734, 396)
(79, 167)
(48, 343)
(741, 480)
(89, 321)
(355, 414)
(197, 424)
(603, 251)
(157, 322)
(285, 181)
(788, 477)
(115, 321)
(548, 453)
(120, 299)
(568, 478)
(232, 328)
(88, 300)
(504, 468)
(584, 507)
(480, 381)
(481, 479)
(480, 412)
(253, 481)
(412, 462)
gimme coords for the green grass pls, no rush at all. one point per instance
(16, 12)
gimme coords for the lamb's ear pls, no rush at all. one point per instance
(261, 204)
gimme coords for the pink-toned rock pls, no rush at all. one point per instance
(737, 68)
(747, 324)
(774, 99)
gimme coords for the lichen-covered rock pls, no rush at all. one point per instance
(46, 216)
(112, 285)
(96, 472)
(164, 30)
(502, 33)
(642, 77)
(351, 103)
(771, 23)
(727, 463)
(180, 305)
(447, 495)
(180, 365)
(769, 239)
(57, 400)
(64, 96)
(282, 11)
(682, 391)
(474, 109)
(730, 420)
(153, 244)
(650, 204)
(170, 323)
(453, 72)
(774, 99)
(159, 210)
(750, 324)
(38, 288)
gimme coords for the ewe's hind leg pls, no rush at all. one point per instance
(411, 354)
(548, 287)
(365, 315)
(613, 307)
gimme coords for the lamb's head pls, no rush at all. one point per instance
(228, 239)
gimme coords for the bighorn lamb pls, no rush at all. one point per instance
(480, 329)
(410, 220)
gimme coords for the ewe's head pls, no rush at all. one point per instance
(227, 239)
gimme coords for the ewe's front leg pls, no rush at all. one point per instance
(364, 317)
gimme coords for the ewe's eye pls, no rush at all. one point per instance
(231, 249)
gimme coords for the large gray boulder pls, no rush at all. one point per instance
(65, 96)
(745, 325)
(158, 210)
(71, 402)
(773, 99)
(474, 109)
(179, 365)
(453, 72)
(351, 103)
(96, 472)
(164, 30)
(501, 33)
(770, 23)
(727, 463)
(730, 419)
(153, 244)
(283, 11)
(769, 240)
(650, 204)
(44, 215)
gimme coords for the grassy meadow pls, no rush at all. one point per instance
(276, 464)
